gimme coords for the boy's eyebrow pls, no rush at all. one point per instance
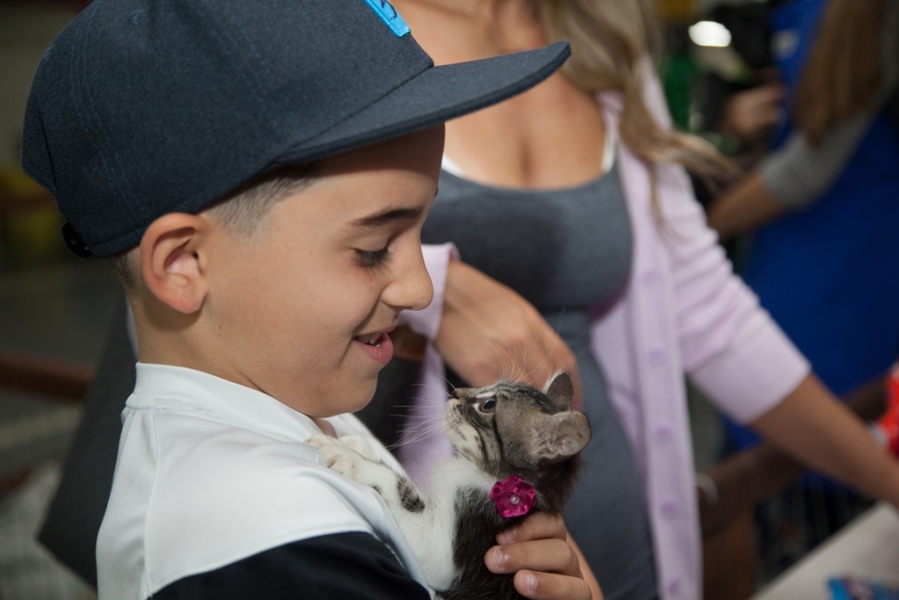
(389, 216)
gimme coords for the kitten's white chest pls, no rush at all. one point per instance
(431, 533)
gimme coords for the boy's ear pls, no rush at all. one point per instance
(173, 253)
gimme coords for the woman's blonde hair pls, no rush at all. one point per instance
(612, 41)
(845, 68)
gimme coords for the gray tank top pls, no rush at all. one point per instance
(566, 250)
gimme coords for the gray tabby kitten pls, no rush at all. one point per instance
(515, 452)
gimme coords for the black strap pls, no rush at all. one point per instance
(73, 519)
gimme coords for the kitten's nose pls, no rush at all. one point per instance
(459, 393)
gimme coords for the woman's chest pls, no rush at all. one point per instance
(564, 248)
(549, 137)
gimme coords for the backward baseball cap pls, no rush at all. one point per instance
(141, 108)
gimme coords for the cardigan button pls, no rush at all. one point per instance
(673, 586)
(656, 355)
(663, 434)
(650, 277)
(670, 508)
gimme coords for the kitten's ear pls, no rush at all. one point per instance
(561, 391)
(559, 436)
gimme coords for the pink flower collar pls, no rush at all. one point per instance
(513, 497)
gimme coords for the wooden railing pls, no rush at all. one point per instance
(59, 380)
(44, 376)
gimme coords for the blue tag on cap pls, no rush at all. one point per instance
(389, 15)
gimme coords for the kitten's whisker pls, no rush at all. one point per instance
(501, 359)
(442, 376)
(405, 441)
(427, 427)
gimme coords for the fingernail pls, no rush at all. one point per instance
(499, 559)
(530, 582)
(506, 537)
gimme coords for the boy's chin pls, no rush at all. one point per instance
(334, 401)
(356, 399)
(366, 396)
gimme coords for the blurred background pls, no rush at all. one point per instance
(54, 312)
(55, 309)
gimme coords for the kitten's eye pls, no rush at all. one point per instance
(489, 405)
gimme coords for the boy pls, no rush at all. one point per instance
(257, 173)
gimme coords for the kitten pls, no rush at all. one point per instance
(515, 452)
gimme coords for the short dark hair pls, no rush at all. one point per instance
(242, 211)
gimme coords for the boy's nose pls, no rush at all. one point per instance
(412, 289)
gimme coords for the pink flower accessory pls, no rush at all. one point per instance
(513, 497)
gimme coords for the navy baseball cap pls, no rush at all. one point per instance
(141, 108)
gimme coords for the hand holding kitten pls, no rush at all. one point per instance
(546, 561)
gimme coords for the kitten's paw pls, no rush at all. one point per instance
(320, 440)
(336, 456)
(360, 445)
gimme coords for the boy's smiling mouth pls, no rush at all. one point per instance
(371, 339)
(376, 345)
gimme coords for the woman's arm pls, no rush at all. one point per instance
(744, 207)
(790, 179)
(795, 176)
(818, 430)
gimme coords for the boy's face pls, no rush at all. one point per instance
(302, 308)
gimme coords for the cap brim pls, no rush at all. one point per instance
(436, 95)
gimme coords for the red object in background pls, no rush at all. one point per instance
(889, 422)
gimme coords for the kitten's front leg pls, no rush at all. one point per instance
(427, 525)
(352, 457)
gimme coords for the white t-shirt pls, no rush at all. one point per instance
(210, 473)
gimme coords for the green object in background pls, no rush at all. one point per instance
(678, 72)
(29, 222)
(30, 238)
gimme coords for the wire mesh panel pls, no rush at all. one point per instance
(794, 523)
(27, 571)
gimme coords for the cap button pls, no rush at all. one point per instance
(73, 242)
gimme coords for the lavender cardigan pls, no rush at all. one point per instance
(683, 312)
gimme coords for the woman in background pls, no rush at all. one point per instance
(823, 211)
(571, 203)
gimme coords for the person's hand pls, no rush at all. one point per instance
(489, 332)
(546, 562)
(751, 114)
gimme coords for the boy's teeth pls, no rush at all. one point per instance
(371, 340)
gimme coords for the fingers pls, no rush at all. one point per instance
(546, 563)
(532, 350)
(548, 586)
(539, 543)
(769, 93)
(749, 114)
(550, 555)
(537, 526)
(489, 332)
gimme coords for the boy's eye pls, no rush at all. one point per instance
(373, 259)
